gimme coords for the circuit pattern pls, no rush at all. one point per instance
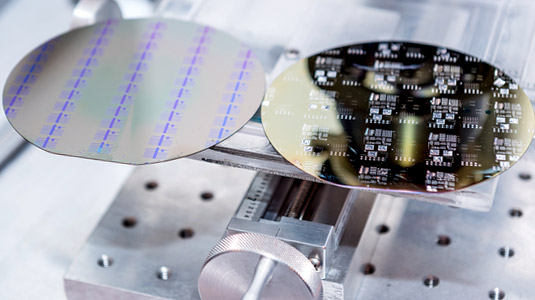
(396, 115)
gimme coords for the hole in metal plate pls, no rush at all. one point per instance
(382, 229)
(129, 222)
(443, 240)
(207, 196)
(515, 213)
(506, 252)
(497, 294)
(186, 233)
(431, 281)
(151, 185)
(105, 261)
(368, 269)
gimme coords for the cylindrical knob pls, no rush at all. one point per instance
(249, 266)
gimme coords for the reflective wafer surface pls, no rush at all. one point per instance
(400, 116)
(134, 91)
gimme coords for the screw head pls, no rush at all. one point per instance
(292, 53)
(105, 261)
(164, 273)
(316, 262)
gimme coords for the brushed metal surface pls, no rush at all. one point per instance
(181, 210)
(47, 214)
(466, 251)
(311, 239)
(317, 236)
(341, 270)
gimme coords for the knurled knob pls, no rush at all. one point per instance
(256, 266)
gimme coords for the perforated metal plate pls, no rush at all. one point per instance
(398, 116)
(134, 91)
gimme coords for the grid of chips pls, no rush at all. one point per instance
(134, 91)
(399, 116)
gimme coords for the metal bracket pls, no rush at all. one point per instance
(88, 12)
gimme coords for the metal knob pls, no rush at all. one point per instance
(251, 266)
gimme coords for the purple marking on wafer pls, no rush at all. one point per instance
(237, 86)
(127, 88)
(73, 94)
(173, 116)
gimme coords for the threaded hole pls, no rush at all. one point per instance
(431, 281)
(105, 261)
(151, 185)
(207, 196)
(164, 273)
(524, 176)
(382, 229)
(506, 252)
(129, 222)
(443, 240)
(497, 294)
(368, 269)
(515, 213)
(186, 233)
